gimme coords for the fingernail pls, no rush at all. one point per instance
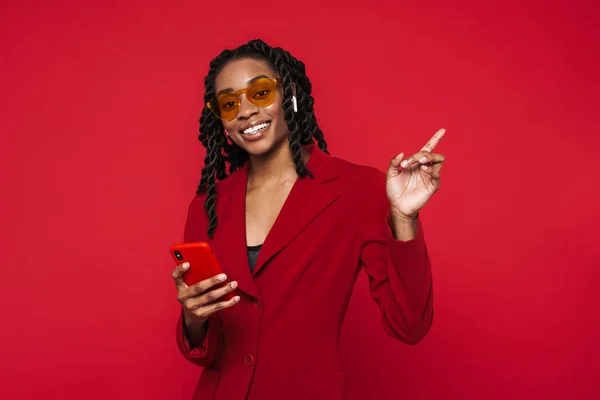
(404, 163)
(423, 159)
(233, 284)
(185, 265)
(221, 277)
(236, 299)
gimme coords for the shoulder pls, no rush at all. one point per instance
(365, 178)
(365, 186)
(197, 202)
(196, 220)
(196, 205)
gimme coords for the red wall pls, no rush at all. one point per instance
(99, 159)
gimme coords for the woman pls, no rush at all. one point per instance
(292, 227)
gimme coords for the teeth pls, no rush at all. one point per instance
(255, 128)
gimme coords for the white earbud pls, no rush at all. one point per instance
(295, 103)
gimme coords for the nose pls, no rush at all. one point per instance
(247, 109)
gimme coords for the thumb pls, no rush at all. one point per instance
(394, 165)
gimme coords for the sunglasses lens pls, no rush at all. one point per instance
(261, 92)
(225, 106)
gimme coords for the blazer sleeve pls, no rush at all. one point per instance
(400, 279)
(207, 352)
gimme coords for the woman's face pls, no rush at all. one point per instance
(270, 137)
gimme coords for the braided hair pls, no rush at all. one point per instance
(302, 125)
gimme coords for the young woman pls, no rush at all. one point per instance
(292, 227)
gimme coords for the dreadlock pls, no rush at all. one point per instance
(302, 125)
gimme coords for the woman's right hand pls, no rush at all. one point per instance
(201, 300)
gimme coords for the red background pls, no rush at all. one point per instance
(99, 160)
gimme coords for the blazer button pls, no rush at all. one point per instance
(257, 302)
(249, 359)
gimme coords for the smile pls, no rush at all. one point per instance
(256, 128)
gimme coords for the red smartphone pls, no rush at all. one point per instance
(203, 263)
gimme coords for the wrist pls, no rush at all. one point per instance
(399, 216)
(195, 333)
(404, 227)
(193, 322)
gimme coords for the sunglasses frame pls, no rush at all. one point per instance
(238, 94)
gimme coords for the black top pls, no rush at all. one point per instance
(253, 255)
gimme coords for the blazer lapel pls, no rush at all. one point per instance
(230, 235)
(307, 199)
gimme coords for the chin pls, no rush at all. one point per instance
(260, 149)
(264, 147)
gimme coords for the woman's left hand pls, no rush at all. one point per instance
(409, 189)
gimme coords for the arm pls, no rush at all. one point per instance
(209, 346)
(399, 271)
(200, 344)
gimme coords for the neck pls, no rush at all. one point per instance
(273, 168)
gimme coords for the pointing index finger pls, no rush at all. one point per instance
(433, 141)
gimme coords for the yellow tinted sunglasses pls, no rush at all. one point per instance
(260, 92)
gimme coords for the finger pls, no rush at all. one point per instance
(394, 164)
(200, 287)
(430, 145)
(413, 159)
(210, 296)
(429, 158)
(177, 275)
(433, 171)
(206, 311)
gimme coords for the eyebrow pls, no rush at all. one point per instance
(247, 83)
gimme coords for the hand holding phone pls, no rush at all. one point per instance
(202, 263)
(200, 282)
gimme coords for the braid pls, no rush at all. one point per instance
(305, 101)
(278, 57)
(302, 125)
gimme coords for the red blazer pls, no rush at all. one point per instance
(281, 340)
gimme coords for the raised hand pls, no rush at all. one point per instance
(411, 182)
